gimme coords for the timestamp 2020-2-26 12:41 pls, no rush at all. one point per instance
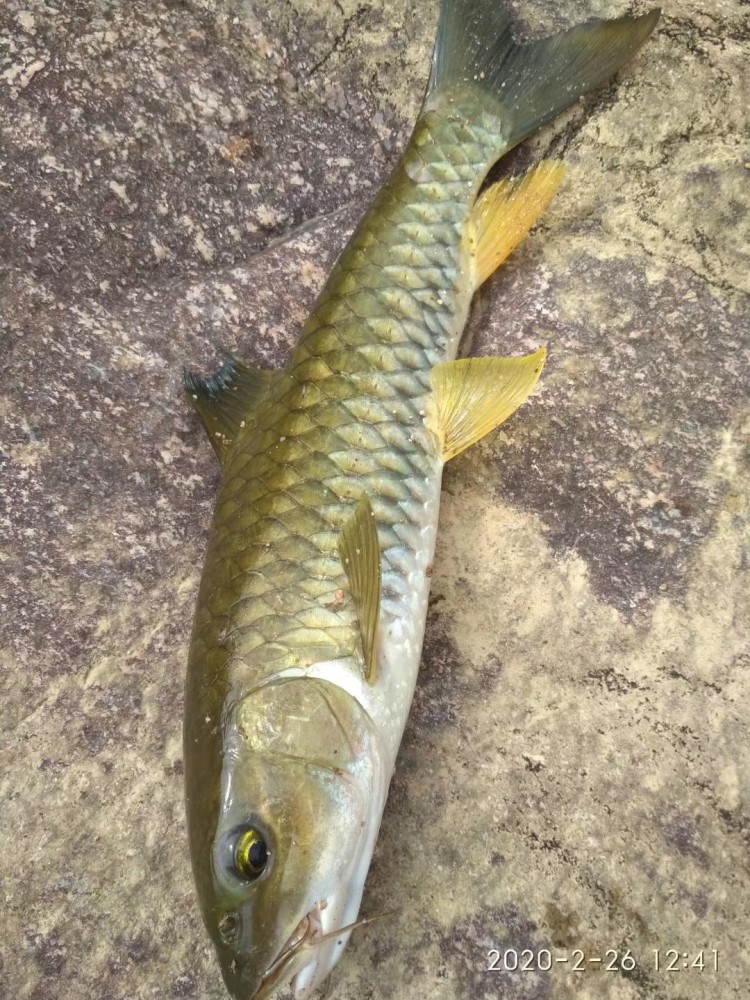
(610, 960)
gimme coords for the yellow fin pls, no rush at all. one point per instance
(505, 213)
(474, 395)
(360, 553)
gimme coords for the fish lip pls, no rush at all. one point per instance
(309, 927)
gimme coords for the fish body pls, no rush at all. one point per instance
(312, 604)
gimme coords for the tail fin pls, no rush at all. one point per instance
(533, 82)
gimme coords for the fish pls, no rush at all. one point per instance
(313, 599)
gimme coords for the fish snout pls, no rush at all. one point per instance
(243, 977)
(247, 977)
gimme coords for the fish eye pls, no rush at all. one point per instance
(250, 854)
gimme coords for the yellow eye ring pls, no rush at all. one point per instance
(250, 854)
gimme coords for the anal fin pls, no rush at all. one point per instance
(226, 399)
(505, 212)
(473, 396)
(360, 554)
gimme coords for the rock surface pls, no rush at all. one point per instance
(576, 774)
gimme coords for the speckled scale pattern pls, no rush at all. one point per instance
(347, 417)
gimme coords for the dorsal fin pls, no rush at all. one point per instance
(360, 553)
(224, 400)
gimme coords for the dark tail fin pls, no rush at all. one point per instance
(532, 83)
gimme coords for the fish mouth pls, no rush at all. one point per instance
(305, 933)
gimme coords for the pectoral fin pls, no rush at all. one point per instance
(360, 553)
(505, 213)
(224, 400)
(474, 395)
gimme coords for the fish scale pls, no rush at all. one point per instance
(322, 439)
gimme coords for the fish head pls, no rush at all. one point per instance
(297, 818)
